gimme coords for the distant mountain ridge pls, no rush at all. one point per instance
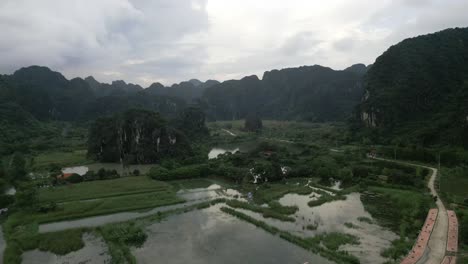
(311, 93)
(281, 94)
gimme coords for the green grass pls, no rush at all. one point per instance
(62, 242)
(190, 183)
(403, 211)
(80, 209)
(61, 158)
(273, 191)
(120, 237)
(102, 189)
(277, 211)
(453, 183)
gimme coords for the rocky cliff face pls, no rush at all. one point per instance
(418, 89)
(135, 137)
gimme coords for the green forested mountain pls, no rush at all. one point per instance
(418, 90)
(135, 136)
(48, 95)
(312, 93)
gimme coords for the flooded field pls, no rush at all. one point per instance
(331, 217)
(94, 252)
(210, 236)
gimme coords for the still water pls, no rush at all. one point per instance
(215, 152)
(211, 236)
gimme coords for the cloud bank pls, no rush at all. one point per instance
(145, 41)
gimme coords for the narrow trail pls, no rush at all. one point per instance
(229, 132)
(435, 251)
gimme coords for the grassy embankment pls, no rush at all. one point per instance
(104, 197)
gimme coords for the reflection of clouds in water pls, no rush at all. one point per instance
(215, 152)
(331, 218)
(211, 236)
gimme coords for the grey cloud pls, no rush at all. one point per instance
(141, 41)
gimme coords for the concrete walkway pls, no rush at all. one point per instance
(435, 251)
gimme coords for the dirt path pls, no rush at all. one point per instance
(229, 132)
(435, 251)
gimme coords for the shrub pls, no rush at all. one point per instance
(74, 178)
(158, 173)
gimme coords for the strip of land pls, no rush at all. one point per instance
(452, 243)
(421, 243)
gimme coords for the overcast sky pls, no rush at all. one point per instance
(167, 41)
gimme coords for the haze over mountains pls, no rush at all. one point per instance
(323, 93)
(417, 89)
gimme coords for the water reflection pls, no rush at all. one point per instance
(210, 236)
(331, 217)
(215, 152)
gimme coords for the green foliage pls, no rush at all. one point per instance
(313, 93)
(399, 247)
(277, 211)
(191, 121)
(159, 173)
(135, 136)
(463, 218)
(403, 211)
(62, 242)
(74, 178)
(17, 168)
(126, 233)
(186, 172)
(6, 200)
(26, 196)
(253, 123)
(417, 90)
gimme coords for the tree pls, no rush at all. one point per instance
(464, 229)
(253, 123)
(75, 178)
(26, 197)
(158, 173)
(17, 169)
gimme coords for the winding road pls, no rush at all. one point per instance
(435, 251)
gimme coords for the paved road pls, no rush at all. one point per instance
(435, 251)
